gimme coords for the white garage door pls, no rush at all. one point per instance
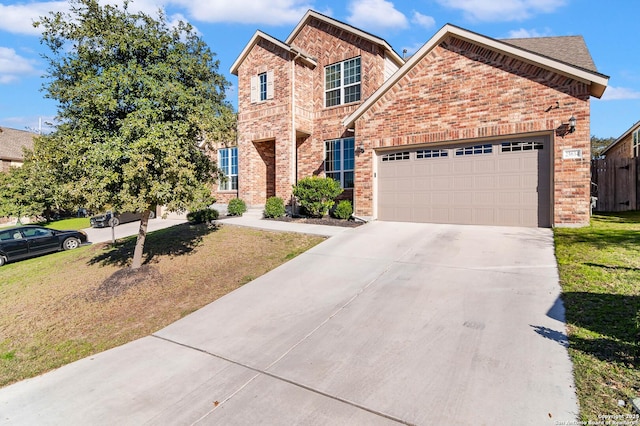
(503, 182)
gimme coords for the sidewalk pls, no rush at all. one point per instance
(253, 219)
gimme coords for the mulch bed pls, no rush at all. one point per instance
(327, 220)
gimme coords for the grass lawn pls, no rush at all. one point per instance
(61, 307)
(600, 277)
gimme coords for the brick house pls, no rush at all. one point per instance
(469, 130)
(626, 146)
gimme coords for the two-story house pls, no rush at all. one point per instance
(469, 130)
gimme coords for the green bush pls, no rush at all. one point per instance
(316, 194)
(274, 207)
(343, 210)
(236, 207)
(202, 216)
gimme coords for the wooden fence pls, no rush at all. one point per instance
(616, 184)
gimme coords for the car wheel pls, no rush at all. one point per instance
(114, 221)
(3, 260)
(152, 215)
(71, 243)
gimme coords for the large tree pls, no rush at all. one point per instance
(137, 99)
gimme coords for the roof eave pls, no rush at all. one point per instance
(624, 135)
(254, 40)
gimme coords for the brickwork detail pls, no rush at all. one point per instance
(460, 92)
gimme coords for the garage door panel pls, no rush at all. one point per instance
(484, 186)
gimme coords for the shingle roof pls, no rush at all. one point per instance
(569, 49)
(12, 141)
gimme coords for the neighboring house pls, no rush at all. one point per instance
(616, 175)
(626, 146)
(12, 142)
(469, 130)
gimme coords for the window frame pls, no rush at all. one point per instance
(344, 78)
(635, 143)
(262, 86)
(229, 167)
(346, 151)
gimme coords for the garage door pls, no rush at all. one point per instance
(504, 182)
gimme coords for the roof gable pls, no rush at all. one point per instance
(311, 14)
(259, 35)
(596, 81)
(569, 49)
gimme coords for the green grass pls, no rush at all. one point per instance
(73, 223)
(600, 277)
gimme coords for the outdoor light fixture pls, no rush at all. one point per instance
(572, 124)
(360, 148)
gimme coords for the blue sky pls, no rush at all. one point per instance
(610, 29)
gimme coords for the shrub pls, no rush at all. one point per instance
(236, 207)
(316, 194)
(274, 207)
(202, 216)
(343, 210)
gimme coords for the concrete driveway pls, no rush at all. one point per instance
(389, 323)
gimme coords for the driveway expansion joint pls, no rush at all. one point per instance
(280, 378)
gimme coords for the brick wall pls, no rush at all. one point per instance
(623, 149)
(460, 91)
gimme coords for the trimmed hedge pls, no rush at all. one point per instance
(316, 194)
(236, 207)
(274, 207)
(202, 216)
(343, 210)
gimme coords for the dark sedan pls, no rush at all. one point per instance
(28, 241)
(109, 219)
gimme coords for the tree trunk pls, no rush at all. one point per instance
(142, 236)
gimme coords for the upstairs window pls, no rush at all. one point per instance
(339, 160)
(228, 163)
(636, 143)
(342, 82)
(262, 87)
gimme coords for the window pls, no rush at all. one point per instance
(342, 82)
(396, 156)
(636, 143)
(339, 160)
(475, 150)
(228, 163)
(431, 153)
(262, 87)
(521, 146)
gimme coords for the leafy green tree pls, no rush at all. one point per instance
(138, 99)
(21, 192)
(599, 144)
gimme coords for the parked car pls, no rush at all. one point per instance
(109, 218)
(30, 240)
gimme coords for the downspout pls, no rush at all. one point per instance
(294, 156)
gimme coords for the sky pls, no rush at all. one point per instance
(610, 29)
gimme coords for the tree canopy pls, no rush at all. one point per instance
(137, 100)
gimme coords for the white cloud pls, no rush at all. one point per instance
(376, 15)
(619, 93)
(14, 66)
(274, 12)
(423, 20)
(19, 18)
(524, 33)
(504, 10)
(410, 50)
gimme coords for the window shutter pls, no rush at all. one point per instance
(269, 84)
(255, 92)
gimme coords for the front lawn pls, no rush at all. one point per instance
(600, 278)
(58, 308)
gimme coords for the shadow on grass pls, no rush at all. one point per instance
(623, 238)
(173, 241)
(618, 217)
(613, 318)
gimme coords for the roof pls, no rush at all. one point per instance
(597, 82)
(288, 44)
(346, 27)
(624, 135)
(570, 49)
(259, 35)
(12, 141)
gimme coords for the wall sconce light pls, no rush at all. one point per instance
(360, 148)
(572, 124)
